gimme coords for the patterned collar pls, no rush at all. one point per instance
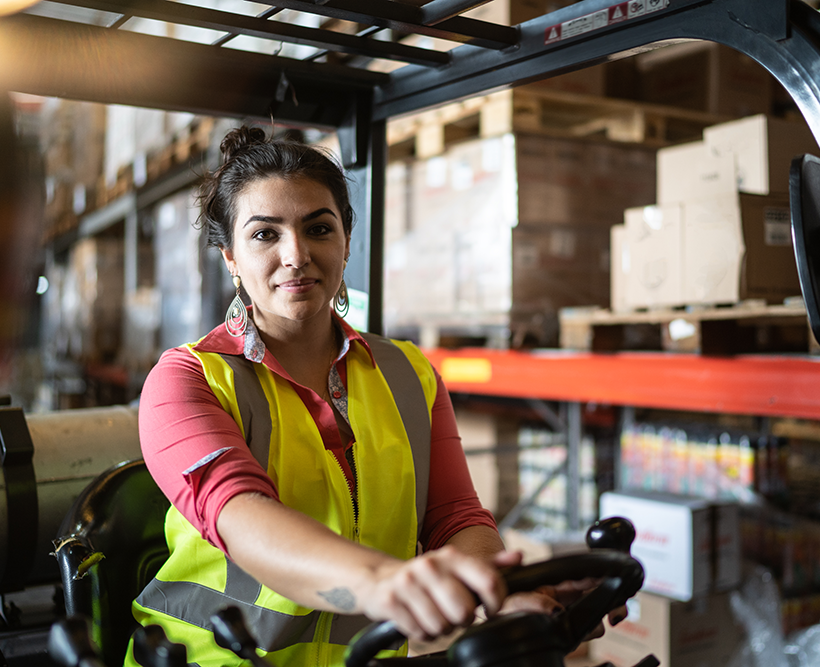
(253, 348)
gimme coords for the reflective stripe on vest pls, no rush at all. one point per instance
(403, 382)
(409, 396)
(192, 602)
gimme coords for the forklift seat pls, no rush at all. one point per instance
(110, 545)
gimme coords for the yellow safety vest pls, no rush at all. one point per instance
(389, 408)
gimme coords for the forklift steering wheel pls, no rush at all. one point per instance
(549, 637)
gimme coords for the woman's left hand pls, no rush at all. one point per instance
(552, 599)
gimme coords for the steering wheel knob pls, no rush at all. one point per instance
(69, 642)
(612, 533)
(152, 648)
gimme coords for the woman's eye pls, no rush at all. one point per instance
(264, 235)
(320, 229)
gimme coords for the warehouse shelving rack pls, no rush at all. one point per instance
(82, 49)
(79, 49)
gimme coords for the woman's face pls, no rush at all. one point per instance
(289, 249)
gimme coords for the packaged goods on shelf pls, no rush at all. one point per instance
(565, 182)
(619, 267)
(650, 260)
(786, 544)
(738, 247)
(694, 459)
(679, 634)
(503, 232)
(716, 250)
(705, 76)
(720, 231)
(762, 149)
(689, 547)
(693, 171)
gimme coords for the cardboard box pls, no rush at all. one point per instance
(569, 182)
(769, 266)
(700, 633)
(763, 149)
(620, 264)
(693, 171)
(705, 76)
(673, 542)
(738, 247)
(712, 250)
(654, 275)
(502, 233)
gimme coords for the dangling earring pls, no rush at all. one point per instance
(341, 302)
(236, 319)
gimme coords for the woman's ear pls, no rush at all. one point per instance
(227, 257)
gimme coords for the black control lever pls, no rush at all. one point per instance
(612, 533)
(231, 633)
(69, 644)
(622, 577)
(152, 648)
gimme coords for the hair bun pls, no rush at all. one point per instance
(239, 139)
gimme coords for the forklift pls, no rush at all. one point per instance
(76, 49)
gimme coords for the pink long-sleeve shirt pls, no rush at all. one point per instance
(197, 455)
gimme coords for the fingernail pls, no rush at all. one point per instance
(618, 619)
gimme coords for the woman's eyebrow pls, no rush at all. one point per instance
(262, 218)
(272, 219)
(317, 213)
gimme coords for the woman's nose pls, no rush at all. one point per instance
(295, 253)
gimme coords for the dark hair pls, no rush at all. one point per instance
(247, 157)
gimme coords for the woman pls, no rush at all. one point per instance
(297, 492)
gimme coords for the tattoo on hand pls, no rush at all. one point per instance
(341, 598)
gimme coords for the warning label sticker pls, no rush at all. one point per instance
(621, 11)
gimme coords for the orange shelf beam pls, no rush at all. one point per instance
(787, 386)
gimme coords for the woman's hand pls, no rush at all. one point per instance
(434, 593)
(552, 599)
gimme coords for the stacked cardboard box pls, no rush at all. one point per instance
(680, 634)
(505, 231)
(688, 546)
(705, 76)
(720, 230)
(690, 550)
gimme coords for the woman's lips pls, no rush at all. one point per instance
(298, 286)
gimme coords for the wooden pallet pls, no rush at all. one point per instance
(535, 110)
(574, 116)
(744, 328)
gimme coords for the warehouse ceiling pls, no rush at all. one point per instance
(233, 56)
(306, 61)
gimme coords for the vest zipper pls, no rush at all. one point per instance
(323, 636)
(325, 617)
(352, 492)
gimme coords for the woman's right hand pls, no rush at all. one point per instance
(430, 595)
